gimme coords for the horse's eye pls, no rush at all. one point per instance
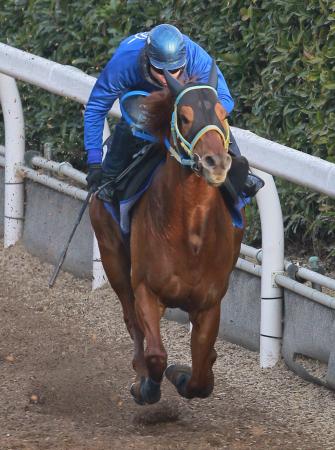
(184, 120)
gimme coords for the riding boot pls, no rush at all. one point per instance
(251, 183)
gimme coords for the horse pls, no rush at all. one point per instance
(183, 245)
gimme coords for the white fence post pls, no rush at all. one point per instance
(14, 157)
(99, 277)
(272, 264)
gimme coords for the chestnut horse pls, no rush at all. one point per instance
(183, 245)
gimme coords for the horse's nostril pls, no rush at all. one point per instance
(210, 161)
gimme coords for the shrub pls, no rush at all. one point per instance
(278, 57)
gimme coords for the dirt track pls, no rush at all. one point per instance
(65, 374)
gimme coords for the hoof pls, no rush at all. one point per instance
(135, 392)
(146, 392)
(179, 376)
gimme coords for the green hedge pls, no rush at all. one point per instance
(278, 58)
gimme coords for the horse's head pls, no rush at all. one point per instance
(199, 127)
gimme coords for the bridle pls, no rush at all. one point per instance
(183, 149)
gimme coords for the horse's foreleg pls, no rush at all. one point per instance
(199, 381)
(117, 267)
(149, 314)
(117, 270)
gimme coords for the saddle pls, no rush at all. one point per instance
(139, 172)
(133, 182)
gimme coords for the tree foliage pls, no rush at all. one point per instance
(278, 57)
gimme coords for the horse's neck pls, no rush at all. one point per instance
(183, 200)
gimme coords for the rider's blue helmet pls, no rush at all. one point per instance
(165, 47)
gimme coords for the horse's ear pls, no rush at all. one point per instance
(173, 84)
(213, 76)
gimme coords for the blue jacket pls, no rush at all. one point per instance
(126, 71)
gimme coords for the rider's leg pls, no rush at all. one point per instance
(244, 182)
(122, 145)
(233, 147)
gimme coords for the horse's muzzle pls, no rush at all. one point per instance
(214, 168)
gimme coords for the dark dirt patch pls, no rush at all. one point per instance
(65, 364)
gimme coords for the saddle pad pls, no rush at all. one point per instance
(235, 211)
(122, 214)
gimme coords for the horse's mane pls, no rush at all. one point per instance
(158, 112)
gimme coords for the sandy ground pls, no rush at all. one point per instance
(65, 374)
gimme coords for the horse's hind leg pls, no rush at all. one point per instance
(117, 267)
(149, 314)
(199, 381)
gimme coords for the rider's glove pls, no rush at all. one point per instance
(94, 177)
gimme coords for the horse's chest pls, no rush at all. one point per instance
(188, 263)
(193, 271)
(178, 292)
(187, 285)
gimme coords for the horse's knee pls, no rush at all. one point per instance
(156, 364)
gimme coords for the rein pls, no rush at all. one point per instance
(192, 159)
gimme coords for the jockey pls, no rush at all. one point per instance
(138, 64)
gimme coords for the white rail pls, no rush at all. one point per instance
(288, 283)
(301, 272)
(66, 81)
(270, 157)
(285, 162)
(306, 291)
(53, 183)
(63, 168)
